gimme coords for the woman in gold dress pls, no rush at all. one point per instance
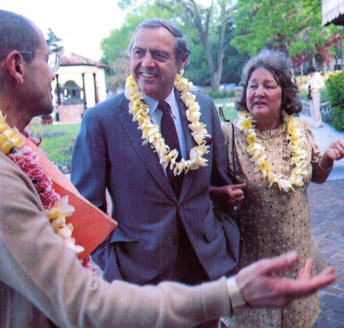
(274, 154)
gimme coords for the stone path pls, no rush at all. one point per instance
(327, 206)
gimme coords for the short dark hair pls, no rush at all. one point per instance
(279, 65)
(17, 33)
(182, 51)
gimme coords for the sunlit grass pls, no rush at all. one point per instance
(57, 140)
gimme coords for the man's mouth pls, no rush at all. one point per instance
(146, 75)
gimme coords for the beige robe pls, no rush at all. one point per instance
(41, 278)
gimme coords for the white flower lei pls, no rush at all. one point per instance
(151, 133)
(258, 156)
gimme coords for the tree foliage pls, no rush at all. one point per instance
(53, 41)
(210, 24)
(119, 39)
(290, 26)
(207, 29)
(119, 72)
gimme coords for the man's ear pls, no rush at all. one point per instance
(182, 65)
(14, 64)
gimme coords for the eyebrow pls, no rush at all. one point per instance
(265, 80)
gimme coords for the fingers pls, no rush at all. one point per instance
(304, 287)
(239, 186)
(306, 271)
(260, 286)
(279, 263)
(338, 149)
(236, 190)
(235, 193)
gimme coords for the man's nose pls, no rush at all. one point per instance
(148, 60)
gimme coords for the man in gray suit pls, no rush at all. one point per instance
(167, 227)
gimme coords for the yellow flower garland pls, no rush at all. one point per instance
(258, 156)
(151, 134)
(11, 140)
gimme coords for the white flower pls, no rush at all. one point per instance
(257, 153)
(151, 134)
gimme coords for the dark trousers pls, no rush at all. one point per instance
(188, 268)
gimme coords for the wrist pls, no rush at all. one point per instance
(325, 165)
(235, 296)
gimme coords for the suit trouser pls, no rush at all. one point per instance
(315, 108)
(188, 268)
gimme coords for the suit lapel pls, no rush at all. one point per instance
(189, 143)
(149, 158)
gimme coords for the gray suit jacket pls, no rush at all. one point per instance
(109, 154)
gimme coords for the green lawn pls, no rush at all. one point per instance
(227, 105)
(57, 140)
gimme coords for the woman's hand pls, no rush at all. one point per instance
(335, 151)
(228, 195)
(322, 169)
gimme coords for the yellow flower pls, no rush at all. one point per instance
(257, 152)
(150, 131)
(3, 126)
(251, 138)
(262, 165)
(245, 124)
(6, 146)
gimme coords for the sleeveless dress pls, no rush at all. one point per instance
(273, 222)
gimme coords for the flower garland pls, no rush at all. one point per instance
(56, 208)
(258, 156)
(151, 134)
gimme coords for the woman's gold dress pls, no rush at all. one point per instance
(273, 222)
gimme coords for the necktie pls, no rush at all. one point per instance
(169, 132)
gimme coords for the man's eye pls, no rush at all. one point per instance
(138, 52)
(160, 56)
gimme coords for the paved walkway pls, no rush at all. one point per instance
(324, 136)
(327, 207)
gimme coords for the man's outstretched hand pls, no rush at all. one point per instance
(261, 287)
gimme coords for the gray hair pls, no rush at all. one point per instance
(17, 33)
(279, 65)
(182, 51)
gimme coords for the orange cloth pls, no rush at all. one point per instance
(91, 225)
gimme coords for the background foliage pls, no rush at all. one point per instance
(223, 35)
(335, 89)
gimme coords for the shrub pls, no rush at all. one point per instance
(232, 93)
(335, 90)
(219, 94)
(338, 117)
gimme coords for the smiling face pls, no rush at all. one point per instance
(153, 62)
(264, 98)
